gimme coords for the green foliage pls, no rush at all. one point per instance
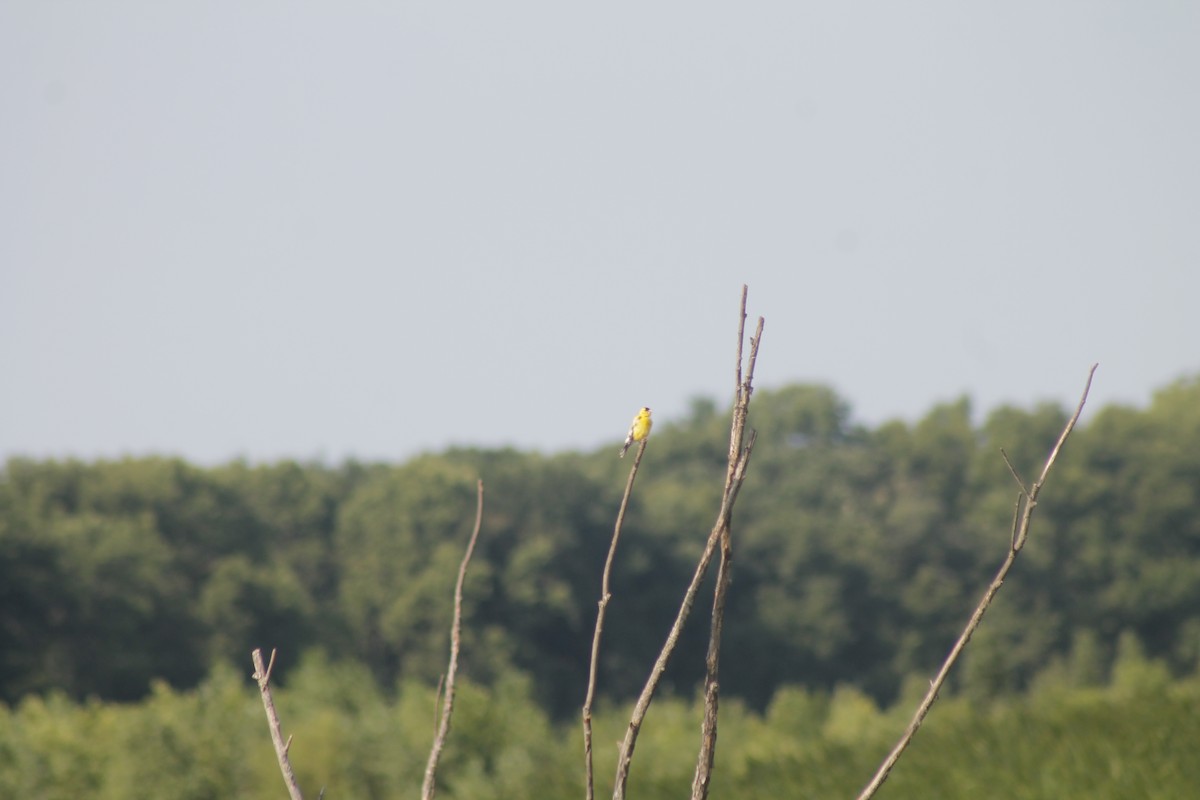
(212, 742)
(51, 749)
(282, 608)
(859, 553)
(191, 746)
(397, 542)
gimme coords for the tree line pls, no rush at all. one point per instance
(858, 553)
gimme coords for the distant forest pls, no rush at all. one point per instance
(859, 552)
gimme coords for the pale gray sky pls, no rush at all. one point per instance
(272, 229)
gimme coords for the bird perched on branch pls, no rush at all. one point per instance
(639, 430)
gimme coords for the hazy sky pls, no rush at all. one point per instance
(279, 229)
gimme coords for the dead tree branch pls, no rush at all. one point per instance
(262, 674)
(712, 662)
(605, 595)
(1026, 503)
(739, 459)
(429, 788)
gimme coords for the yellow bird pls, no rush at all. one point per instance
(639, 430)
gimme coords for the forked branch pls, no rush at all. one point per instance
(1026, 503)
(262, 674)
(712, 661)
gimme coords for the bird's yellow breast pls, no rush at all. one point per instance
(641, 425)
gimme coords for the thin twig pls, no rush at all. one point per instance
(1013, 471)
(605, 595)
(262, 674)
(741, 341)
(739, 459)
(755, 341)
(437, 703)
(1020, 533)
(1012, 536)
(429, 788)
(742, 389)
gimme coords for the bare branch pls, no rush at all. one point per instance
(262, 674)
(605, 595)
(430, 788)
(1020, 534)
(1066, 431)
(741, 403)
(708, 728)
(754, 343)
(739, 459)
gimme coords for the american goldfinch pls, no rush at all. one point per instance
(639, 430)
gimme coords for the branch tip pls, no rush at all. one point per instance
(1013, 471)
(271, 664)
(1067, 430)
(263, 675)
(1022, 517)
